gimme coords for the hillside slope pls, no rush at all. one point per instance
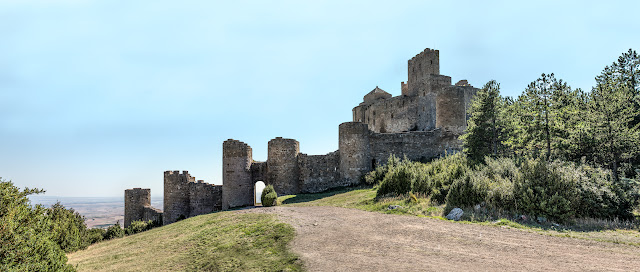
(224, 241)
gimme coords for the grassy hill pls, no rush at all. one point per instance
(224, 241)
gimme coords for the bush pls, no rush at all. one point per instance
(68, 228)
(543, 190)
(25, 239)
(114, 231)
(377, 175)
(139, 226)
(95, 235)
(467, 192)
(269, 197)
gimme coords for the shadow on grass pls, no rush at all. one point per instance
(300, 198)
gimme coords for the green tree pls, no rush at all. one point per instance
(114, 231)
(541, 121)
(484, 134)
(26, 243)
(68, 228)
(610, 118)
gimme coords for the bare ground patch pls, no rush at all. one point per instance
(341, 239)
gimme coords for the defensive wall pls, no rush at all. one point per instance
(422, 123)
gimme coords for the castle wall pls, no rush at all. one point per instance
(176, 195)
(137, 206)
(204, 198)
(450, 110)
(319, 172)
(282, 165)
(417, 146)
(134, 202)
(399, 114)
(258, 172)
(151, 213)
(236, 174)
(353, 141)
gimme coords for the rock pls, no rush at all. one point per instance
(455, 214)
(477, 207)
(393, 207)
(542, 219)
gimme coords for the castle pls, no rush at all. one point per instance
(422, 123)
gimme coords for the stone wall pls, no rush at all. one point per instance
(236, 174)
(417, 146)
(204, 198)
(176, 195)
(399, 114)
(137, 206)
(319, 172)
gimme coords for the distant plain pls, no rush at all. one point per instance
(100, 212)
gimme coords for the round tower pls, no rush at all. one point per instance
(176, 196)
(355, 157)
(282, 166)
(134, 202)
(237, 186)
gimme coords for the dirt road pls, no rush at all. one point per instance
(339, 239)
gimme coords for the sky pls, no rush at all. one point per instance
(100, 96)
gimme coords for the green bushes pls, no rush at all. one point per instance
(269, 197)
(68, 228)
(26, 242)
(139, 226)
(114, 231)
(557, 190)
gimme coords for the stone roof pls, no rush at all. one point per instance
(378, 91)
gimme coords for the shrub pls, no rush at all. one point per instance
(467, 191)
(139, 226)
(377, 175)
(68, 228)
(269, 197)
(398, 180)
(114, 231)
(25, 239)
(542, 190)
(95, 235)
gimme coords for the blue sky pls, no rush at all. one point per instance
(100, 96)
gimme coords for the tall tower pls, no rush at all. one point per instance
(421, 67)
(282, 166)
(236, 174)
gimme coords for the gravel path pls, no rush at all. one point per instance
(339, 239)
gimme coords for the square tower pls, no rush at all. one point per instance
(422, 66)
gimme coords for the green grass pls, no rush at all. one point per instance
(363, 198)
(223, 241)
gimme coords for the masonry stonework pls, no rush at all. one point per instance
(422, 123)
(137, 206)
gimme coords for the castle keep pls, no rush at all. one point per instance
(422, 123)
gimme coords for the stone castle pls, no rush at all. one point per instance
(422, 123)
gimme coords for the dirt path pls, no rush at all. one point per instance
(339, 239)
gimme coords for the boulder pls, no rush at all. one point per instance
(393, 207)
(455, 214)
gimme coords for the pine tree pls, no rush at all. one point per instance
(543, 117)
(484, 129)
(611, 117)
